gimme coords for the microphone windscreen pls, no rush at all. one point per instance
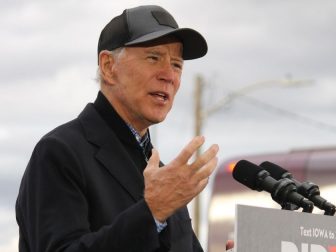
(246, 173)
(275, 170)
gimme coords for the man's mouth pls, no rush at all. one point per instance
(160, 95)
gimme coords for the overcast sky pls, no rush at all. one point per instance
(48, 67)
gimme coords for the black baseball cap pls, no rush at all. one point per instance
(147, 23)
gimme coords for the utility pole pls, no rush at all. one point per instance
(202, 114)
(198, 132)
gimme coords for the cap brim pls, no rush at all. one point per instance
(194, 44)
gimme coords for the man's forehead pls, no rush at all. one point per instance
(160, 41)
(157, 43)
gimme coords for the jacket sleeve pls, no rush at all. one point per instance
(52, 209)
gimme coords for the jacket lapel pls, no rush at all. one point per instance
(111, 153)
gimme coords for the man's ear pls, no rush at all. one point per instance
(106, 62)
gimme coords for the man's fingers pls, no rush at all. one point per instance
(205, 157)
(203, 174)
(205, 171)
(201, 185)
(189, 150)
(229, 244)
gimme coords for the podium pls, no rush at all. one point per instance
(271, 230)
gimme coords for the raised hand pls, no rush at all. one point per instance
(173, 186)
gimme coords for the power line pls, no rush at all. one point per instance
(295, 116)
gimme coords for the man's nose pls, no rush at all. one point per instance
(167, 72)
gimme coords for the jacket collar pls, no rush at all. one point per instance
(114, 121)
(111, 153)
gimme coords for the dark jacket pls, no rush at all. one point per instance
(82, 191)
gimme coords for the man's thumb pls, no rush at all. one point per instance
(154, 160)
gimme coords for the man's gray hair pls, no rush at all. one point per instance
(115, 54)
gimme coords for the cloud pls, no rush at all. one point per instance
(4, 134)
(254, 40)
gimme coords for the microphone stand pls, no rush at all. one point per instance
(312, 192)
(282, 194)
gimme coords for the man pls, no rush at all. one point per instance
(95, 183)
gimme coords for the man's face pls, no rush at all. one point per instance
(146, 80)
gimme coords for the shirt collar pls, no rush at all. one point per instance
(143, 141)
(124, 131)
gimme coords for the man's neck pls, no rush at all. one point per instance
(140, 129)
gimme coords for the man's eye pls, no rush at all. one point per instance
(177, 65)
(153, 57)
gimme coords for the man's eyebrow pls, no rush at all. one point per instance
(154, 51)
(159, 52)
(179, 59)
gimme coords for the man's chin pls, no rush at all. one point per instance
(156, 120)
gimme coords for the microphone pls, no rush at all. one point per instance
(283, 191)
(308, 189)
